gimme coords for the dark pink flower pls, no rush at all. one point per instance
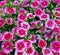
(7, 36)
(10, 10)
(21, 17)
(38, 12)
(35, 4)
(21, 32)
(56, 53)
(42, 43)
(7, 47)
(55, 46)
(36, 53)
(3, 53)
(20, 45)
(9, 21)
(44, 3)
(2, 3)
(2, 22)
(50, 24)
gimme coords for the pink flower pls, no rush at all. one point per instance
(47, 51)
(2, 3)
(36, 53)
(44, 16)
(57, 9)
(38, 12)
(2, 22)
(30, 50)
(55, 1)
(15, 3)
(7, 47)
(6, 0)
(35, 4)
(3, 53)
(9, 21)
(20, 45)
(7, 36)
(18, 53)
(30, 15)
(21, 17)
(44, 3)
(10, 10)
(1, 37)
(55, 46)
(25, 25)
(42, 43)
(50, 24)
(57, 37)
(21, 32)
(56, 53)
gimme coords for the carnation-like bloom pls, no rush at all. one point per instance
(25, 25)
(7, 36)
(21, 32)
(50, 24)
(21, 17)
(56, 53)
(2, 3)
(47, 51)
(2, 22)
(44, 16)
(55, 46)
(56, 1)
(42, 43)
(44, 3)
(38, 12)
(9, 21)
(10, 10)
(7, 46)
(30, 50)
(20, 45)
(3, 53)
(35, 4)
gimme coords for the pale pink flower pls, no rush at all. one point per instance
(21, 32)
(7, 47)
(55, 1)
(1, 37)
(25, 25)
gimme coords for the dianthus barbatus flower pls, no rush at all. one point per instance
(10, 10)
(7, 47)
(20, 45)
(42, 43)
(2, 22)
(3, 53)
(21, 32)
(55, 46)
(2, 3)
(7, 36)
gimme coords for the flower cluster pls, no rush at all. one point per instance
(29, 27)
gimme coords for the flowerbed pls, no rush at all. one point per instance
(30, 27)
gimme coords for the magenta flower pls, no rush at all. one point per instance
(22, 17)
(30, 50)
(55, 1)
(7, 36)
(21, 32)
(50, 24)
(44, 16)
(3, 53)
(47, 51)
(15, 3)
(42, 43)
(7, 47)
(9, 21)
(38, 12)
(20, 45)
(36, 53)
(35, 4)
(57, 37)
(44, 3)
(2, 22)
(10, 10)
(2, 3)
(25, 25)
(55, 46)
(56, 53)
